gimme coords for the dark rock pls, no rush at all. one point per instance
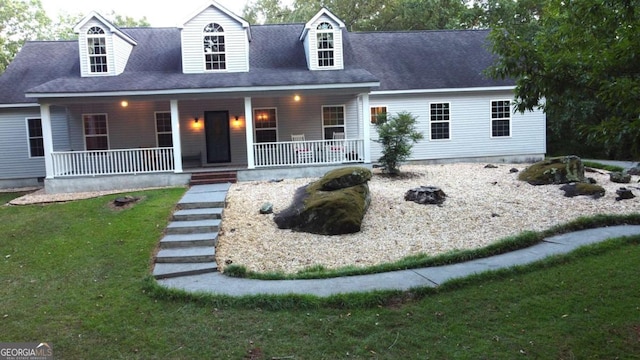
(591, 180)
(490, 166)
(513, 170)
(266, 208)
(561, 170)
(343, 178)
(122, 201)
(495, 215)
(624, 194)
(620, 177)
(634, 170)
(426, 195)
(577, 189)
(332, 209)
(276, 180)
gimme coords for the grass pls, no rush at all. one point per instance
(597, 165)
(5, 197)
(76, 275)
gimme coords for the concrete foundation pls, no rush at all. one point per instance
(290, 172)
(21, 183)
(114, 182)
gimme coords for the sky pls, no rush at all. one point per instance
(158, 13)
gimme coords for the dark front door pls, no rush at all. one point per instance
(216, 124)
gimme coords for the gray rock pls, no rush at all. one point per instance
(561, 170)
(620, 177)
(426, 195)
(266, 208)
(577, 189)
(332, 209)
(634, 170)
(513, 170)
(624, 194)
(490, 166)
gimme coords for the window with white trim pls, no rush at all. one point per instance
(266, 125)
(163, 129)
(96, 134)
(378, 114)
(500, 118)
(440, 121)
(332, 120)
(325, 45)
(97, 47)
(214, 47)
(36, 140)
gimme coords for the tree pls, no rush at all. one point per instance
(397, 134)
(578, 60)
(20, 21)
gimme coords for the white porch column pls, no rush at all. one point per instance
(248, 121)
(366, 127)
(175, 136)
(47, 139)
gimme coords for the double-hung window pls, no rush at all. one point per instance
(266, 125)
(97, 47)
(36, 141)
(501, 118)
(332, 120)
(163, 129)
(440, 121)
(324, 38)
(96, 133)
(378, 114)
(214, 47)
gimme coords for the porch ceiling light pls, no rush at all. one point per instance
(237, 118)
(124, 103)
(196, 119)
(296, 98)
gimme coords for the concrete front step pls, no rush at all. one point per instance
(197, 214)
(193, 227)
(204, 196)
(196, 254)
(189, 240)
(170, 270)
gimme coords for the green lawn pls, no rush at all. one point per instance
(76, 275)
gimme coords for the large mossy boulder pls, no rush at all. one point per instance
(333, 205)
(560, 170)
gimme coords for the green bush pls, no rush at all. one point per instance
(397, 134)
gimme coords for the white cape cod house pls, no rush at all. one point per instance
(135, 107)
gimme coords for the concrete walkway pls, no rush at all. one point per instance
(216, 283)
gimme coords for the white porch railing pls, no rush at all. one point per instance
(112, 162)
(300, 153)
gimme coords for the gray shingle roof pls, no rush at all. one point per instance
(426, 59)
(399, 60)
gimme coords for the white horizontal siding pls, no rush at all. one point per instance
(85, 70)
(470, 127)
(311, 45)
(236, 42)
(121, 51)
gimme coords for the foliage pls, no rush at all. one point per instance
(588, 77)
(20, 20)
(397, 134)
(367, 15)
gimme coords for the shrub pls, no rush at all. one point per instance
(397, 134)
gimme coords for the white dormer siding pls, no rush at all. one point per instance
(103, 50)
(322, 39)
(213, 41)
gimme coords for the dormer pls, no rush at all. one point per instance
(322, 38)
(104, 50)
(215, 40)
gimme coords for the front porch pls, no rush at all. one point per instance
(104, 140)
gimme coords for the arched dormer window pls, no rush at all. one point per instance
(97, 46)
(214, 47)
(325, 45)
